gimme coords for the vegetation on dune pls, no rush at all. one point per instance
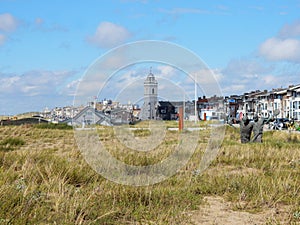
(44, 179)
(60, 126)
(10, 143)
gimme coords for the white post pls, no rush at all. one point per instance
(183, 114)
(196, 116)
(95, 100)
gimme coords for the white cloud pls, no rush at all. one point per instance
(71, 87)
(41, 25)
(245, 68)
(209, 76)
(285, 46)
(270, 79)
(222, 7)
(243, 75)
(73, 84)
(290, 30)
(7, 83)
(2, 39)
(178, 11)
(207, 81)
(34, 82)
(277, 64)
(248, 74)
(127, 84)
(166, 71)
(109, 35)
(35, 90)
(235, 89)
(8, 23)
(276, 49)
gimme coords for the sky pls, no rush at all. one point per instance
(47, 47)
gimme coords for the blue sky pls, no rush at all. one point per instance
(46, 46)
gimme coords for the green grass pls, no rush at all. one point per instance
(10, 143)
(60, 126)
(45, 180)
(141, 133)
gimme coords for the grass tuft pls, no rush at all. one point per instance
(11, 143)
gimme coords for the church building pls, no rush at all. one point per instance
(149, 109)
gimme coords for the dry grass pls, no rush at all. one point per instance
(45, 180)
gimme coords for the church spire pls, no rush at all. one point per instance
(150, 72)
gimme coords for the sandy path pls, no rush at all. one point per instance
(217, 211)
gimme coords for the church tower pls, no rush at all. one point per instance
(149, 108)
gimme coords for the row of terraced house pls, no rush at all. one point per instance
(282, 101)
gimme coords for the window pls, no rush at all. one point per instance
(265, 106)
(152, 90)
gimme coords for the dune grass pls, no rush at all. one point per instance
(45, 180)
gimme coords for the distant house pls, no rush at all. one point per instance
(286, 101)
(89, 116)
(294, 106)
(136, 113)
(121, 116)
(188, 108)
(166, 111)
(210, 108)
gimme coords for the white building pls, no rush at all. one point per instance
(295, 103)
(149, 109)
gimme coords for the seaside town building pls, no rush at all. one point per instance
(149, 109)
